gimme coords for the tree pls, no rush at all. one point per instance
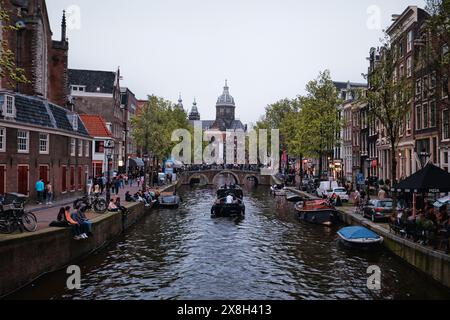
(436, 41)
(319, 119)
(389, 99)
(153, 127)
(8, 68)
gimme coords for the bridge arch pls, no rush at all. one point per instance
(250, 177)
(224, 172)
(200, 177)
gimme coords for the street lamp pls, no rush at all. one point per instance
(109, 148)
(146, 159)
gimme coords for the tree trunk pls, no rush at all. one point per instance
(394, 179)
(320, 165)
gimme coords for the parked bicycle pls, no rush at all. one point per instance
(13, 216)
(93, 201)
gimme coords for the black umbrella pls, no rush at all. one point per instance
(430, 179)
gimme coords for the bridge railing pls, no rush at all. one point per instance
(200, 168)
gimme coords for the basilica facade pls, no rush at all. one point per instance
(225, 114)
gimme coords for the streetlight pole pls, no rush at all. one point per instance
(109, 147)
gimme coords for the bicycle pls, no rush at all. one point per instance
(92, 202)
(13, 218)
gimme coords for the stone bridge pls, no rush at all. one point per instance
(211, 177)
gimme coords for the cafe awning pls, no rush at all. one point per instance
(136, 163)
(430, 179)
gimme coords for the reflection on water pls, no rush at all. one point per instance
(185, 254)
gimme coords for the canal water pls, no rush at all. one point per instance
(184, 254)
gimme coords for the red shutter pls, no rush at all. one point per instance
(22, 180)
(44, 174)
(80, 178)
(2, 179)
(72, 178)
(64, 179)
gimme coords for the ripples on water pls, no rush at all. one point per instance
(270, 255)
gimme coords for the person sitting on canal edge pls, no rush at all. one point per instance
(76, 229)
(85, 224)
(112, 206)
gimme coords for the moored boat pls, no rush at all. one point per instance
(293, 197)
(359, 237)
(278, 190)
(317, 212)
(229, 202)
(169, 202)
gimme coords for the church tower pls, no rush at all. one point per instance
(225, 109)
(194, 115)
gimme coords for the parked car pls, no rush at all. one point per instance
(378, 210)
(342, 193)
(326, 188)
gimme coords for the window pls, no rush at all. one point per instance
(78, 88)
(9, 108)
(425, 87)
(445, 158)
(409, 67)
(425, 115)
(402, 71)
(433, 114)
(2, 139)
(418, 87)
(419, 118)
(408, 122)
(99, 146)
(433, 81)
(80, 147)
(445, 87)
(445, 125)
(87, 150)
(72, 147)
(410, 41)
(43, 143)
(23, 141)
(75, 123)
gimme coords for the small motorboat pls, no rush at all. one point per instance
(278, 190)
(359, 237)
(293, 197)
(169, 202)
(229, 202)
(317, 212)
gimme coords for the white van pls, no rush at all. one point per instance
(326, 188)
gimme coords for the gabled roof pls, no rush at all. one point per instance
(104, 80)
(95, 125)
(39, 112)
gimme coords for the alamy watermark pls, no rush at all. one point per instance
(374, 280)
(74, 280)
(228, 147)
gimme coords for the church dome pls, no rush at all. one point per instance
(226, 99)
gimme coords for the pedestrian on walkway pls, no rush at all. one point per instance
(40, 188)
(90, 185)
(49, 189)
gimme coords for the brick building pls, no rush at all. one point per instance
(39, 137)
(98, 93)
(43, 59)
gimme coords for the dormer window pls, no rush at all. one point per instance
(9, 107)
(75, 123)
(76, 88)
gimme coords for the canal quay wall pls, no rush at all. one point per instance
(431, 262)
(29, 256)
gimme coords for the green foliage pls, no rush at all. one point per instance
(319, 119)
(153, 126)
(8, 68)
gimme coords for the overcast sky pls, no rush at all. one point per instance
(267, 49)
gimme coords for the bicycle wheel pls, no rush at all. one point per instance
(29, 222)
(6, 227)
(100, 206)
